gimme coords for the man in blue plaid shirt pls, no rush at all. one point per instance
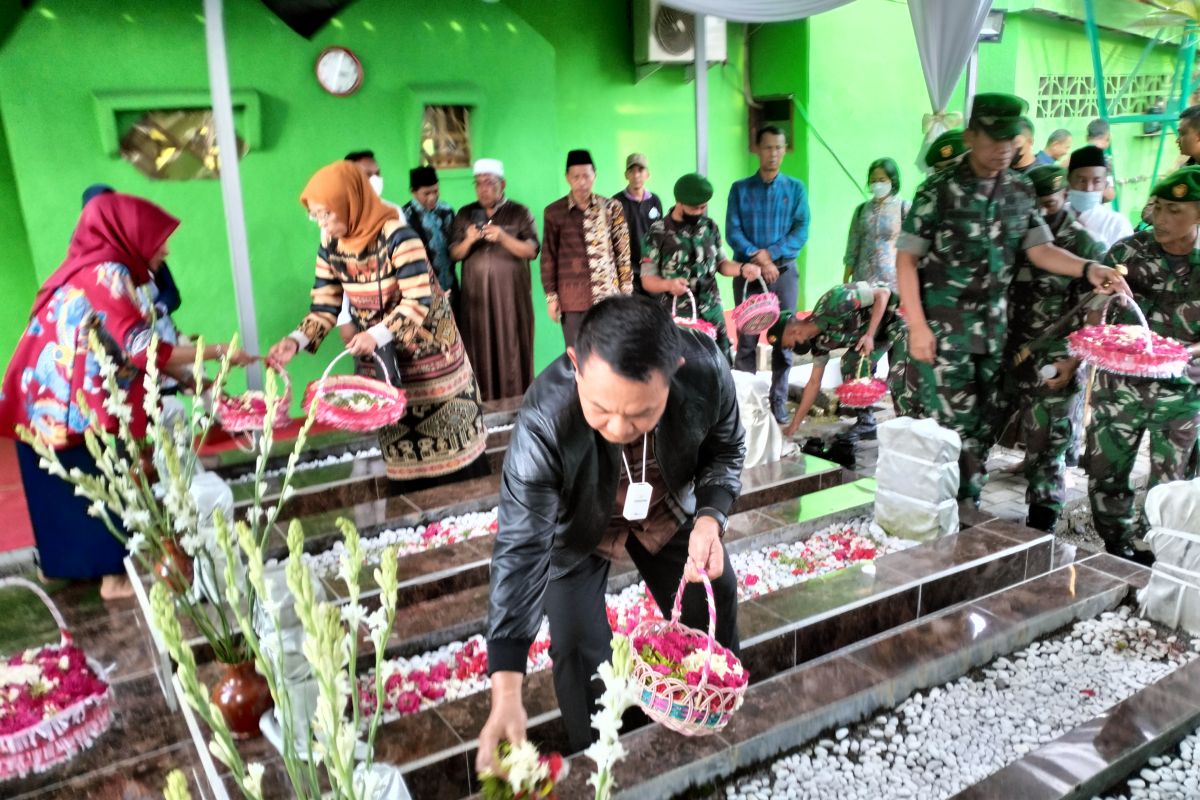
(766, 223)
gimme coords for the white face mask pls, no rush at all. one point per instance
(881, 189)
(376, 182)
(1084, 202)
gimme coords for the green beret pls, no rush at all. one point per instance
(998, 115)
(945, 149)
(1048, 179)
(693, 189)
(775, 332)
(1181, 186)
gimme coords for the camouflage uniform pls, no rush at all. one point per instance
(843, 315)
(1039, 300)
(966, 233)
(678, 250)
(1124, 408)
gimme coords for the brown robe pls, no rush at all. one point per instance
(496, 304)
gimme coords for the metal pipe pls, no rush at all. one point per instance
(231, 183)
(701, 95)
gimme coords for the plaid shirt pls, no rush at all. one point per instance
(771, 216)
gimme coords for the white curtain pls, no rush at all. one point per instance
(946, 31)
(756, 10)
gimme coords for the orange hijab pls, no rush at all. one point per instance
(343, 189)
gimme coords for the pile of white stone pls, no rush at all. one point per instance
(939, 742)
(1172, 776)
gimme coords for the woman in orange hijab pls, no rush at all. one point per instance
(368, 254)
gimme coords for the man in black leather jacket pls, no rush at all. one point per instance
(637, 399)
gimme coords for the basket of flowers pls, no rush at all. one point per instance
(248, 411)
(756, 312)
(1132, 350)
(355, 402)
(864, 391)
(54, 700)
(694, 322)
(684, 679)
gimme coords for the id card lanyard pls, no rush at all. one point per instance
(637, 498)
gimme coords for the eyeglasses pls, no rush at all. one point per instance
(320, 217)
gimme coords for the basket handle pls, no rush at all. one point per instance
(339, 357)
(691, 297)
(1132, 305)
(862, 363)
(45, 598)
(761, 282)
(677, 610)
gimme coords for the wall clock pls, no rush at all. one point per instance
(339, 71)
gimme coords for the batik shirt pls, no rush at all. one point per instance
(678, 250)
(1039, 299)
(843, 315)
(433, 226)
(1167, 290)
(966, 232)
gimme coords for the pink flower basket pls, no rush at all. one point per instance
(756, 312)
(1132, 350)
(55, 702)
(694, 323)
(686, 681)
(248, 411)
(862, 392)
(355, 402)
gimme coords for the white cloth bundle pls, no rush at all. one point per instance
(917, 478)
(1172, 597)
(764, 440)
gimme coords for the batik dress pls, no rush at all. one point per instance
(391, 282)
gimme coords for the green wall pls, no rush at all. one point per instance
(542, 77)
(20, 283)
(1036, 45)
(856, 72)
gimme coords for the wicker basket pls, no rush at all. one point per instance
(694, 323)
(386, 402)
(756, 312)
(690, 710)
(864, 391)
(49, 741)
(1130, 350)
(248, 411)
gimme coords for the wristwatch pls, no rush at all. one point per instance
(721, 518)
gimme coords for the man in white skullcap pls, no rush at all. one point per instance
(495, 239)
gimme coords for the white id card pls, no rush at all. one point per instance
(637, 501)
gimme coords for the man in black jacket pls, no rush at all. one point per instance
(630, 441)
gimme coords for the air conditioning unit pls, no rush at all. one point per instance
(664, 35)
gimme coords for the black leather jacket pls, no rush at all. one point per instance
(559, 485)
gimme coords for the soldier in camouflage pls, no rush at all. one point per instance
(955, 263)
(1038, 300)
(682, 254)
(859, 316)
(1164, 275)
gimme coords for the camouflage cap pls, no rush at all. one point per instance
(1048, 179)
(1181, 186)
(945, 148)
(998, 115)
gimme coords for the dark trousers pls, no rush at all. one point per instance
(580, 637)
(570, 326)
(787, 289)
